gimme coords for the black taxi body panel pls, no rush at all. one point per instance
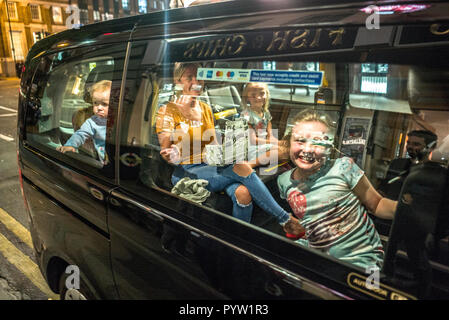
(68, 246)
(182, 256)
(68, 219)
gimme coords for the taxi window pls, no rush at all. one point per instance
(313, 141)
(70, 104)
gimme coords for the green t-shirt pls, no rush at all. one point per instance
(336, 221)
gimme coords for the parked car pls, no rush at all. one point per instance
(118, 221)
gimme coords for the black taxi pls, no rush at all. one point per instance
(102, 113)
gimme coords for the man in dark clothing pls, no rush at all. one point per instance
(420, 144)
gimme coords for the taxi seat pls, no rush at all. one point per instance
(223, 97)
(420, 222)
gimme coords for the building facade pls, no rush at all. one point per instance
(24, 22)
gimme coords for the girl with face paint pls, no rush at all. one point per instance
(332, 197)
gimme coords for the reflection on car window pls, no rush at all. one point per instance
(71, 106)
(199, 131)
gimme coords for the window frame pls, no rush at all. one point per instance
(127, 3)
(206, 218)
(142, 6)
(12, 10)
(375, 75)
(106, 172)
(35, 9)
(59, 14)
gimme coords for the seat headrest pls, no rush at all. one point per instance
(224, 96)
(428, 88)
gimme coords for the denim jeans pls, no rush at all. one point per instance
(225, 179)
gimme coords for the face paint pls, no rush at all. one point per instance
(196, 87)
(310, 145)
(312, 148)
(318, 139)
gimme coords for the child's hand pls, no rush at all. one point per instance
(64, 149)
(273, 141)
(293, 227)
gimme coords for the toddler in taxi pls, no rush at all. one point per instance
(95, 126)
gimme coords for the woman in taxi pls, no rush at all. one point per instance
(184, 127)
(332, 198)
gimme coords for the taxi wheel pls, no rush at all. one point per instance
(73, 294)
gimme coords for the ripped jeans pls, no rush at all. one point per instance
(225, 179)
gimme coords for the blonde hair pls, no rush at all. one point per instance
(180, 68)
(102, 86)
(251, 85)
(309, 115)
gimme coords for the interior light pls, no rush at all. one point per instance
(402, 8)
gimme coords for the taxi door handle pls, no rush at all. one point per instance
(152, 213)
(308, 286)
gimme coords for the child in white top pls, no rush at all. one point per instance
(255, 104)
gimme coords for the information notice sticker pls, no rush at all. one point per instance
(223, 74)
(300, 78)
(311, 78)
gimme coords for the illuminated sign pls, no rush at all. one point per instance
(261, 43)
(391, 9)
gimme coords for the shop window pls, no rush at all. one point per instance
(142, 6)
(125, 4)
(39, 35)
(374, 78)
(97, 16)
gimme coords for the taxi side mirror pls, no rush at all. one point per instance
(33, 111)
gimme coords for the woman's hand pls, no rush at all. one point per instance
(184, 101)
(294, 227)
(171, 155)
(64, 149)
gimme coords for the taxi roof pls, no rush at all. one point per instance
(251, 15)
